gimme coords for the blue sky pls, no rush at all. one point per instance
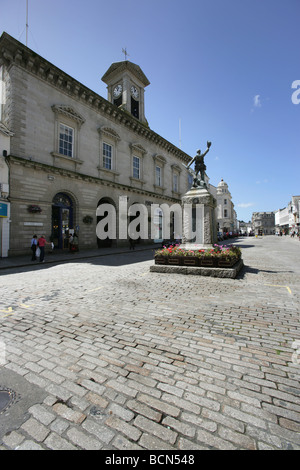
(219, 70)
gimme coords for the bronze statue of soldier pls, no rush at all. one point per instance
(200, 167)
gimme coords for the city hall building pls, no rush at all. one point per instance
(66, 153)
(68, 150)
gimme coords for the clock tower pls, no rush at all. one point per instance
(126, 83)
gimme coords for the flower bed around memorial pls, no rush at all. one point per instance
(217, 257)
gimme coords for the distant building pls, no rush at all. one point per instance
(225, 213)
(287, 220)
(245, 227)
(263, 223)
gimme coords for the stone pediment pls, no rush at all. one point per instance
(138, 148)
(109, 132)
(69, 112)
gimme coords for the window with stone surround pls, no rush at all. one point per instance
(66, 134)
(108, 161)
(137, 153)
(159, 166)
(176, 170)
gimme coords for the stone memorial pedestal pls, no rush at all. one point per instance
(199, 225)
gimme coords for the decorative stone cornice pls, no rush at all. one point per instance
(13, 160)
(13, 52)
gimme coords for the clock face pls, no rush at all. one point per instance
(117, 91)
(134, 92)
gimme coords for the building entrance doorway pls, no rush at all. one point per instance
(62, 220)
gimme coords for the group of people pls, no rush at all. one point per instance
(39, 243)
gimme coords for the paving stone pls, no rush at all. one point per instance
(68, 414)
(150, 442)
(119, 425)
(156, 429)
(83, 440)
(56, 442)
(29, 445)
(13, 439)
(36, 430)
(144, 410)
(101, 432)
(41, 414)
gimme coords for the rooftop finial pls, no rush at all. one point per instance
(125, 53)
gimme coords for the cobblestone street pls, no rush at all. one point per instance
(115, 357)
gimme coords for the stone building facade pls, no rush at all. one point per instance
(287, 220)
(263, 223)
(226, 216)
(71, 150)
(5, 136)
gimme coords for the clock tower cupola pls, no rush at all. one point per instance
(126, 83)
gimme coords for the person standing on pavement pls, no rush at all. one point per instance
(41, 243)
(75, 242)
(34, 247)
(131, 243)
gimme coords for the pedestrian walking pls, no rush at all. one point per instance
(34, 247)
(131, 243)
(41, 244)
(71, 238)
(75, 242)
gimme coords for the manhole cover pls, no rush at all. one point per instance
(7, 397)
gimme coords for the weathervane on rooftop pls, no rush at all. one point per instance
(125, 53)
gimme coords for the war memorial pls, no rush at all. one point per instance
(199, 253)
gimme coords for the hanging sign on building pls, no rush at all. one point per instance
(3, 209)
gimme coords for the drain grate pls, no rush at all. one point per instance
(7, 398)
